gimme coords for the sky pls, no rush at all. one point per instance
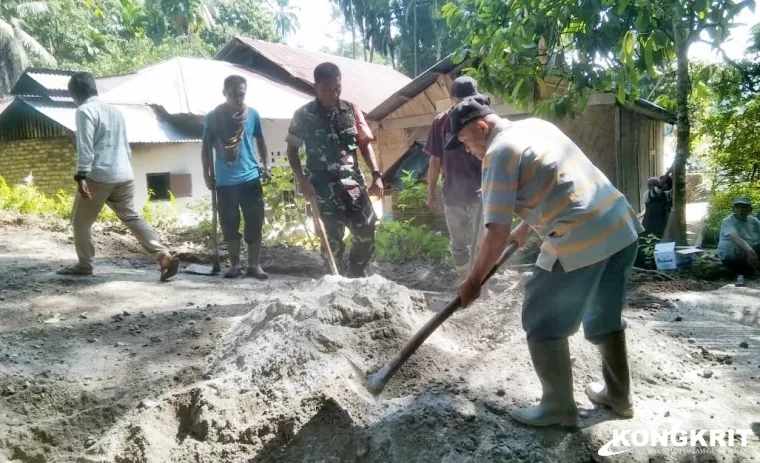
(318, 30)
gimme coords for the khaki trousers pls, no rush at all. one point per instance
(120, 198)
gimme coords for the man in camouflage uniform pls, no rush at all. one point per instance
(333, 130)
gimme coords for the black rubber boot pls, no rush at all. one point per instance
(254, 262)
(615, 393)
(551, 359)
(233, 249)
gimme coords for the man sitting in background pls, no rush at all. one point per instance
(739, 243)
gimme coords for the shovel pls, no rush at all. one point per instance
(215, 268)
(375, 382)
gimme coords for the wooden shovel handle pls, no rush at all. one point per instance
(320, 226)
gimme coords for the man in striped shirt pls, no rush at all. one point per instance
(590, 232)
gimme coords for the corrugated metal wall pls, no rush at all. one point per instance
(31, 125)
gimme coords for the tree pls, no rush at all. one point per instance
(18, 49)
(729, 124)
(285, 18)
(187, 16)
(124, 56)
(521, 47)
(249, 18)
(411, 34)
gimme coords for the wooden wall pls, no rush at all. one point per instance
(641, 151)
(627, 154)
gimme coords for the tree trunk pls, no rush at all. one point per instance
(676, 229)
(353, 29)
(416, 65)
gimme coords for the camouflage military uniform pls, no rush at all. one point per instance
(331, 138)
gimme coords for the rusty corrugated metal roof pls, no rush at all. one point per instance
(365, 84)
(142, 121)
(194, 86)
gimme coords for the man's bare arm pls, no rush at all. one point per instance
(368, 153)
(295, 163)
(261, 146)
(743, 245)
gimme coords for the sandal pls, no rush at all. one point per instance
(171, 270)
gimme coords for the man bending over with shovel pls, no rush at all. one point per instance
(235, 173)
(104, 176)
(590, 233)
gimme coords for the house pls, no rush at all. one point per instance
(366, 85)
(624, 140)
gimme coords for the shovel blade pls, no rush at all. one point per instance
(201, 269)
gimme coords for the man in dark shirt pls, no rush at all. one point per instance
(461, 182)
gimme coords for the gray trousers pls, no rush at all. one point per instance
(120, 198)
(556, 303)
(462, 222)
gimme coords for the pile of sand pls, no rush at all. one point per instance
(279, 386)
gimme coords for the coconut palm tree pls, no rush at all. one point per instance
(188, 16)
(285, 18)
(19, 50)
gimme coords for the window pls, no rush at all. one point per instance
(158, 186)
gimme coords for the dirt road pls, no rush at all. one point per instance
(119, 367)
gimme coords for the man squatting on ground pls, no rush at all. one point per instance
(229, 130)
(104, 176)
(739, 243)
(333, 130)
(462, 206)
(590, 232)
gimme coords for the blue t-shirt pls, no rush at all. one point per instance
(247, 166)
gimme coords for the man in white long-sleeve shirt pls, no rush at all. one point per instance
(104, 176)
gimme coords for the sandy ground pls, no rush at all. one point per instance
(120, 368)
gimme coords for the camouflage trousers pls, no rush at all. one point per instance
(340, 210)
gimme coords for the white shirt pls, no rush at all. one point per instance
(103, 151)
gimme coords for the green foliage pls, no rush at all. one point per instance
(285, 211)
(413, 194)
(647, 244)
(522, 46)
(729, 122)
(111, 37)
(403, 241)
(18, 48)
(720, 207)
(160, 214)
(125, 56)
(26, 199)
(411, 34)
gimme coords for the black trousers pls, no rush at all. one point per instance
(738, 264)
(248, 197)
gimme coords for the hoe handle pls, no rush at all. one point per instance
(377, 381)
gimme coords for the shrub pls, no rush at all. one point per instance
(720, 207)
(404, 241)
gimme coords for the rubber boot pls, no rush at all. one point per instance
(615, 393)
(254, 262)
(551, 359)
(233, 248)
(356, 271)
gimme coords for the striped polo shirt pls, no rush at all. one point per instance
(533, 170)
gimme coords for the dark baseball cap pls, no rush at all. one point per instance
(742, 200)
(468, 110)
(463, 86)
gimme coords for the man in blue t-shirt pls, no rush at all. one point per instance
(229, 130)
